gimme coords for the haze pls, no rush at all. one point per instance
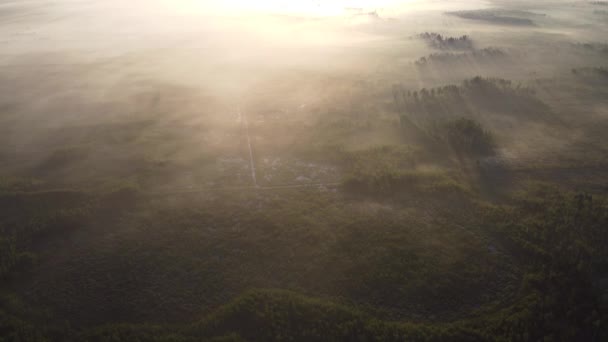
(303, 170)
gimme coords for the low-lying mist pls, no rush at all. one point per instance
(303, 170)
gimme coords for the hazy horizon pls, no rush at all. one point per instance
(423, 170)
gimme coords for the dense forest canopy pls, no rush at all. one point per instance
(314, 171)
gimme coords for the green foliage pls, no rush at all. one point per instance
(476, 97)
(543, 279)
(392, 171)
(395, 182)
(468, 137)
(13, 184)
(8, 255)
(136, 333)
(438, 41)
(448, 59)
(286, 316)
(561, 237)
(557, 238)
(599, 72)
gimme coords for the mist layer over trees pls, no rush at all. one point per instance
(335, 171)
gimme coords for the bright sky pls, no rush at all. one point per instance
(297, 7)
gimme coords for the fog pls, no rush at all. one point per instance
(354, 151)
(194, 64)
(70, 63)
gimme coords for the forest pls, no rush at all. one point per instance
(340, 171)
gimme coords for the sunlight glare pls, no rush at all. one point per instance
(316, 8)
